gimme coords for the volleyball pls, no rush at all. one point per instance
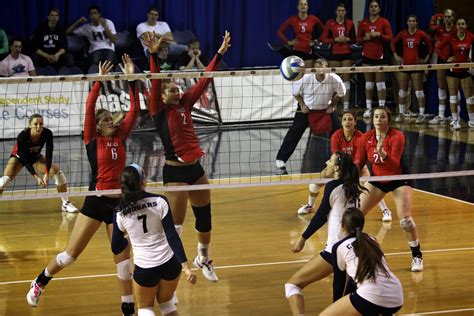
(292, 67)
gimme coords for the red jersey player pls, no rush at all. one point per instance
(340, 33)
(303, 26)
(460, 47)
(446, 29)
(105, 146)
(345, 139)
(383, 148)
(411, 40)
(373, 33)
(171, 113)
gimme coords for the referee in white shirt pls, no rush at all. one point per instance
(317, 94)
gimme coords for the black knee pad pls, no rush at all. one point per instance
(203, 218)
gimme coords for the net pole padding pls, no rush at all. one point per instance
(268, 181)
(237, 73)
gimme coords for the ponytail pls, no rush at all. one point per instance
(366, 249)
(131, 185)
(350, 176)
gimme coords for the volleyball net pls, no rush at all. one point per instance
(241, 120)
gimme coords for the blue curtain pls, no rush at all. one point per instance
(252, 23)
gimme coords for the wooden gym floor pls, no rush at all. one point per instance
(253, 231)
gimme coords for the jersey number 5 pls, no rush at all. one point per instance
(143, 218)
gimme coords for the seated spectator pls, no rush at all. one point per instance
(100, 33)
(166, 61)
(16, 64)
(152, 25)
(50, 43)
(193, 58)
(3, 44)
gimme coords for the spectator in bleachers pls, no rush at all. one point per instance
(16, 64)
(50, 43)
(166, 61)
(100, 33)
(152, 25)
(3, 44)
(193, 58)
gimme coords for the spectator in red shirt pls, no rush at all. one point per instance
(340, 33)
(383, 148)
(373, 33)
(303, 26)
(446, 29)
(460, 47)
(411, 40)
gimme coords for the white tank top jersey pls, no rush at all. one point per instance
(317, 94)
(338, 207)
(385, 291)
(146, 232)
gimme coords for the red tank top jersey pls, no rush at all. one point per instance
(440, 34)
(460, 49)
(333, 29)
(303, 30)
(373, 48)
(393, 144)
(174, 123)
(340, 143)
(411, 45)
(107, 155)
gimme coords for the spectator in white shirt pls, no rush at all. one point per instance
(16, 64)
(100, 33)
(160, 29)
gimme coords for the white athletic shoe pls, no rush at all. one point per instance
(417, 264)
(386, 215)
(305, 209)
(437, 120)
(420, 119)
(400, 118)
(456, 124)
(367, 113)
(470, 124)
(33, 295)
(69, 207)
(207, 269)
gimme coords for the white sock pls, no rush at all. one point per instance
(64, 199)
(441, 109)
(413, 243)
(401, 108)
(369, 104)
(203, 251)
(346, 106)
(47, 274)
(381, 102)
(311, 200)
(127, 298)
(422, 111)
(382, 205)
(471, 116)
(280, 163)
(455, 116)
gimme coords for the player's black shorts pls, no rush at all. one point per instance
(365, 307)
(409, 72)
(341, 57)
(327, 256)
(150, 277)
(182, 174)
(30, 160)
(100, 208)
(391, 185)
(460, 75)
(372, 62)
